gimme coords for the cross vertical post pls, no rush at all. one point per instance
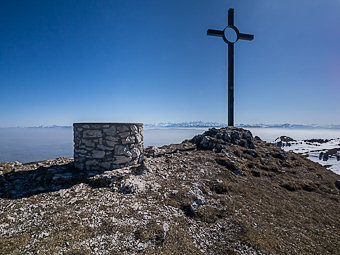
(224, 34)
(231, 73)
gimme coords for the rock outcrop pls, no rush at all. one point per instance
(219, 139)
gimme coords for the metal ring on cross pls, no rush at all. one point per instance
(231, 34)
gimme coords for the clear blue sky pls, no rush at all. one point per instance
(151, 61)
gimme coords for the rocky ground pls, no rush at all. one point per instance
(222, 192)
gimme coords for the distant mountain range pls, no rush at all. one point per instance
(201, 124)
(219, 125)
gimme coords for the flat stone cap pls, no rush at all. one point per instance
(106, 123)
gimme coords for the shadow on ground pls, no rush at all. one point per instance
(21, 184)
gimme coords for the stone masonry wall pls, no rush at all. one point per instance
(106, 146)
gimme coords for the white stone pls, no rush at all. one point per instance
(63, 192)
(133, 184)
(134, 128)
(139, 138)
(128, 140)
(165, 228)
(135, 153)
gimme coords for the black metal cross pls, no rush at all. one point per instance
(230, 41)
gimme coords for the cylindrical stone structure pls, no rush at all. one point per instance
(107, 146)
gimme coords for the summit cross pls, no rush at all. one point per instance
(230, 35)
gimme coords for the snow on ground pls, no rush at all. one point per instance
(312, 150)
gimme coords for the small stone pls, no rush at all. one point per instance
(43, 234)
(140, 159)
(200, 200)
(112, 138)
(122, 159)
(92, 134)
(98, 154)
(337, 184)
(237, 172)
(193, 207)
(132, 185)
(124, 134)
(103, 147)
(106, 165)
(62, 192)
(251, 152)
(128, 140)
(135, 153)
(80, 151)
(134, 128)
(139, 138)
(91, 163)
(122, 128)
(110, 131)
(205, 141)
(79, 165)
(111, 143)
(88, 143)
(280, 155)
(79, 187)
(73, 200)
(122, 150)
(165, 229)
(17, 163)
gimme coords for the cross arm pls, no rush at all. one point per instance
(213, 32)
(246, 36)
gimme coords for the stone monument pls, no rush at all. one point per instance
(107, 146)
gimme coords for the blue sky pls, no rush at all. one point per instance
(151, 61)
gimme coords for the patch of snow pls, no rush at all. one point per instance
(312, 151)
